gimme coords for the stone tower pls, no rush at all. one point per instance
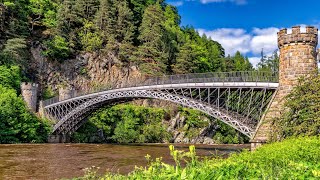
(298, 58)
(29, 93)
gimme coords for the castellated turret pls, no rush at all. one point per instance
(298, 56)
(29, 93)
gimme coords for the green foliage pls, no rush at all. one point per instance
(48, 93)
(90, 39)
(152, 33)
(57, 47)
(222, 133)
(126, 124)
(302, 114)
(194, 118)
(145, 33)
(10, 77)
(198, 54)
(241, 63)
(269, 64)
(15, 51)
(17, 124)
(291, 159)
(42, 12)
(17, 19)
(228, 135)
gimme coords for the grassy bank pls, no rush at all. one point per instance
(297, 158)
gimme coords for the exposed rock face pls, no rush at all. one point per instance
(85, 72)
(176, 127)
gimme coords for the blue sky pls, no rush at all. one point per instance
(247, 25)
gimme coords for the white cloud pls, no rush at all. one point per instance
(246, 42)
(232, 40)
(254, 61)
(176, 3)
(265, 39)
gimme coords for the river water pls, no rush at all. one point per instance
(55, 161)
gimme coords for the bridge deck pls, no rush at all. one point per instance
(213, 79)
(183, 85)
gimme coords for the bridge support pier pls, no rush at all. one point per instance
(256, 144)
(60, 138)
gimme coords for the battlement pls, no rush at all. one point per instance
(309, 37)
(28, 85)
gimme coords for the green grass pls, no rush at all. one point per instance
(297, 158)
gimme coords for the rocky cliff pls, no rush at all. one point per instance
(86, 71)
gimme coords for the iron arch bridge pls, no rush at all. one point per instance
(239, 99)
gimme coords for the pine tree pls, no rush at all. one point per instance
(270, 64)
(138, 7)
(124, 31)
(105, 20)
(152, 31)
(86, 9)
(173, 35)
(241, 63)
(185, 59)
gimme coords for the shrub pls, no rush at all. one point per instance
(303, 110)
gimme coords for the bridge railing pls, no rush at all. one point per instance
(238, 76)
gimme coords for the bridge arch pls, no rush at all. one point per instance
(211, 98)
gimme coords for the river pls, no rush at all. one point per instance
(55, 161)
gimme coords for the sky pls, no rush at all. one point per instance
(247, 26)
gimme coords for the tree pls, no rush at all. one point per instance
(173, 35)
(199, 54)
(15, 51)
(124, 32)
(301, 116)
(186, 57)
(42, 12)
(105, 20)
(58, 48)
(241, 63)
(10, 77)
(270, 64)
(17, 124)
(138, 7)
(91, 39)
(152, 51)
(86, 9)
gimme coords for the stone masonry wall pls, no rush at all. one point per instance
(297, 58)
(29, 93)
